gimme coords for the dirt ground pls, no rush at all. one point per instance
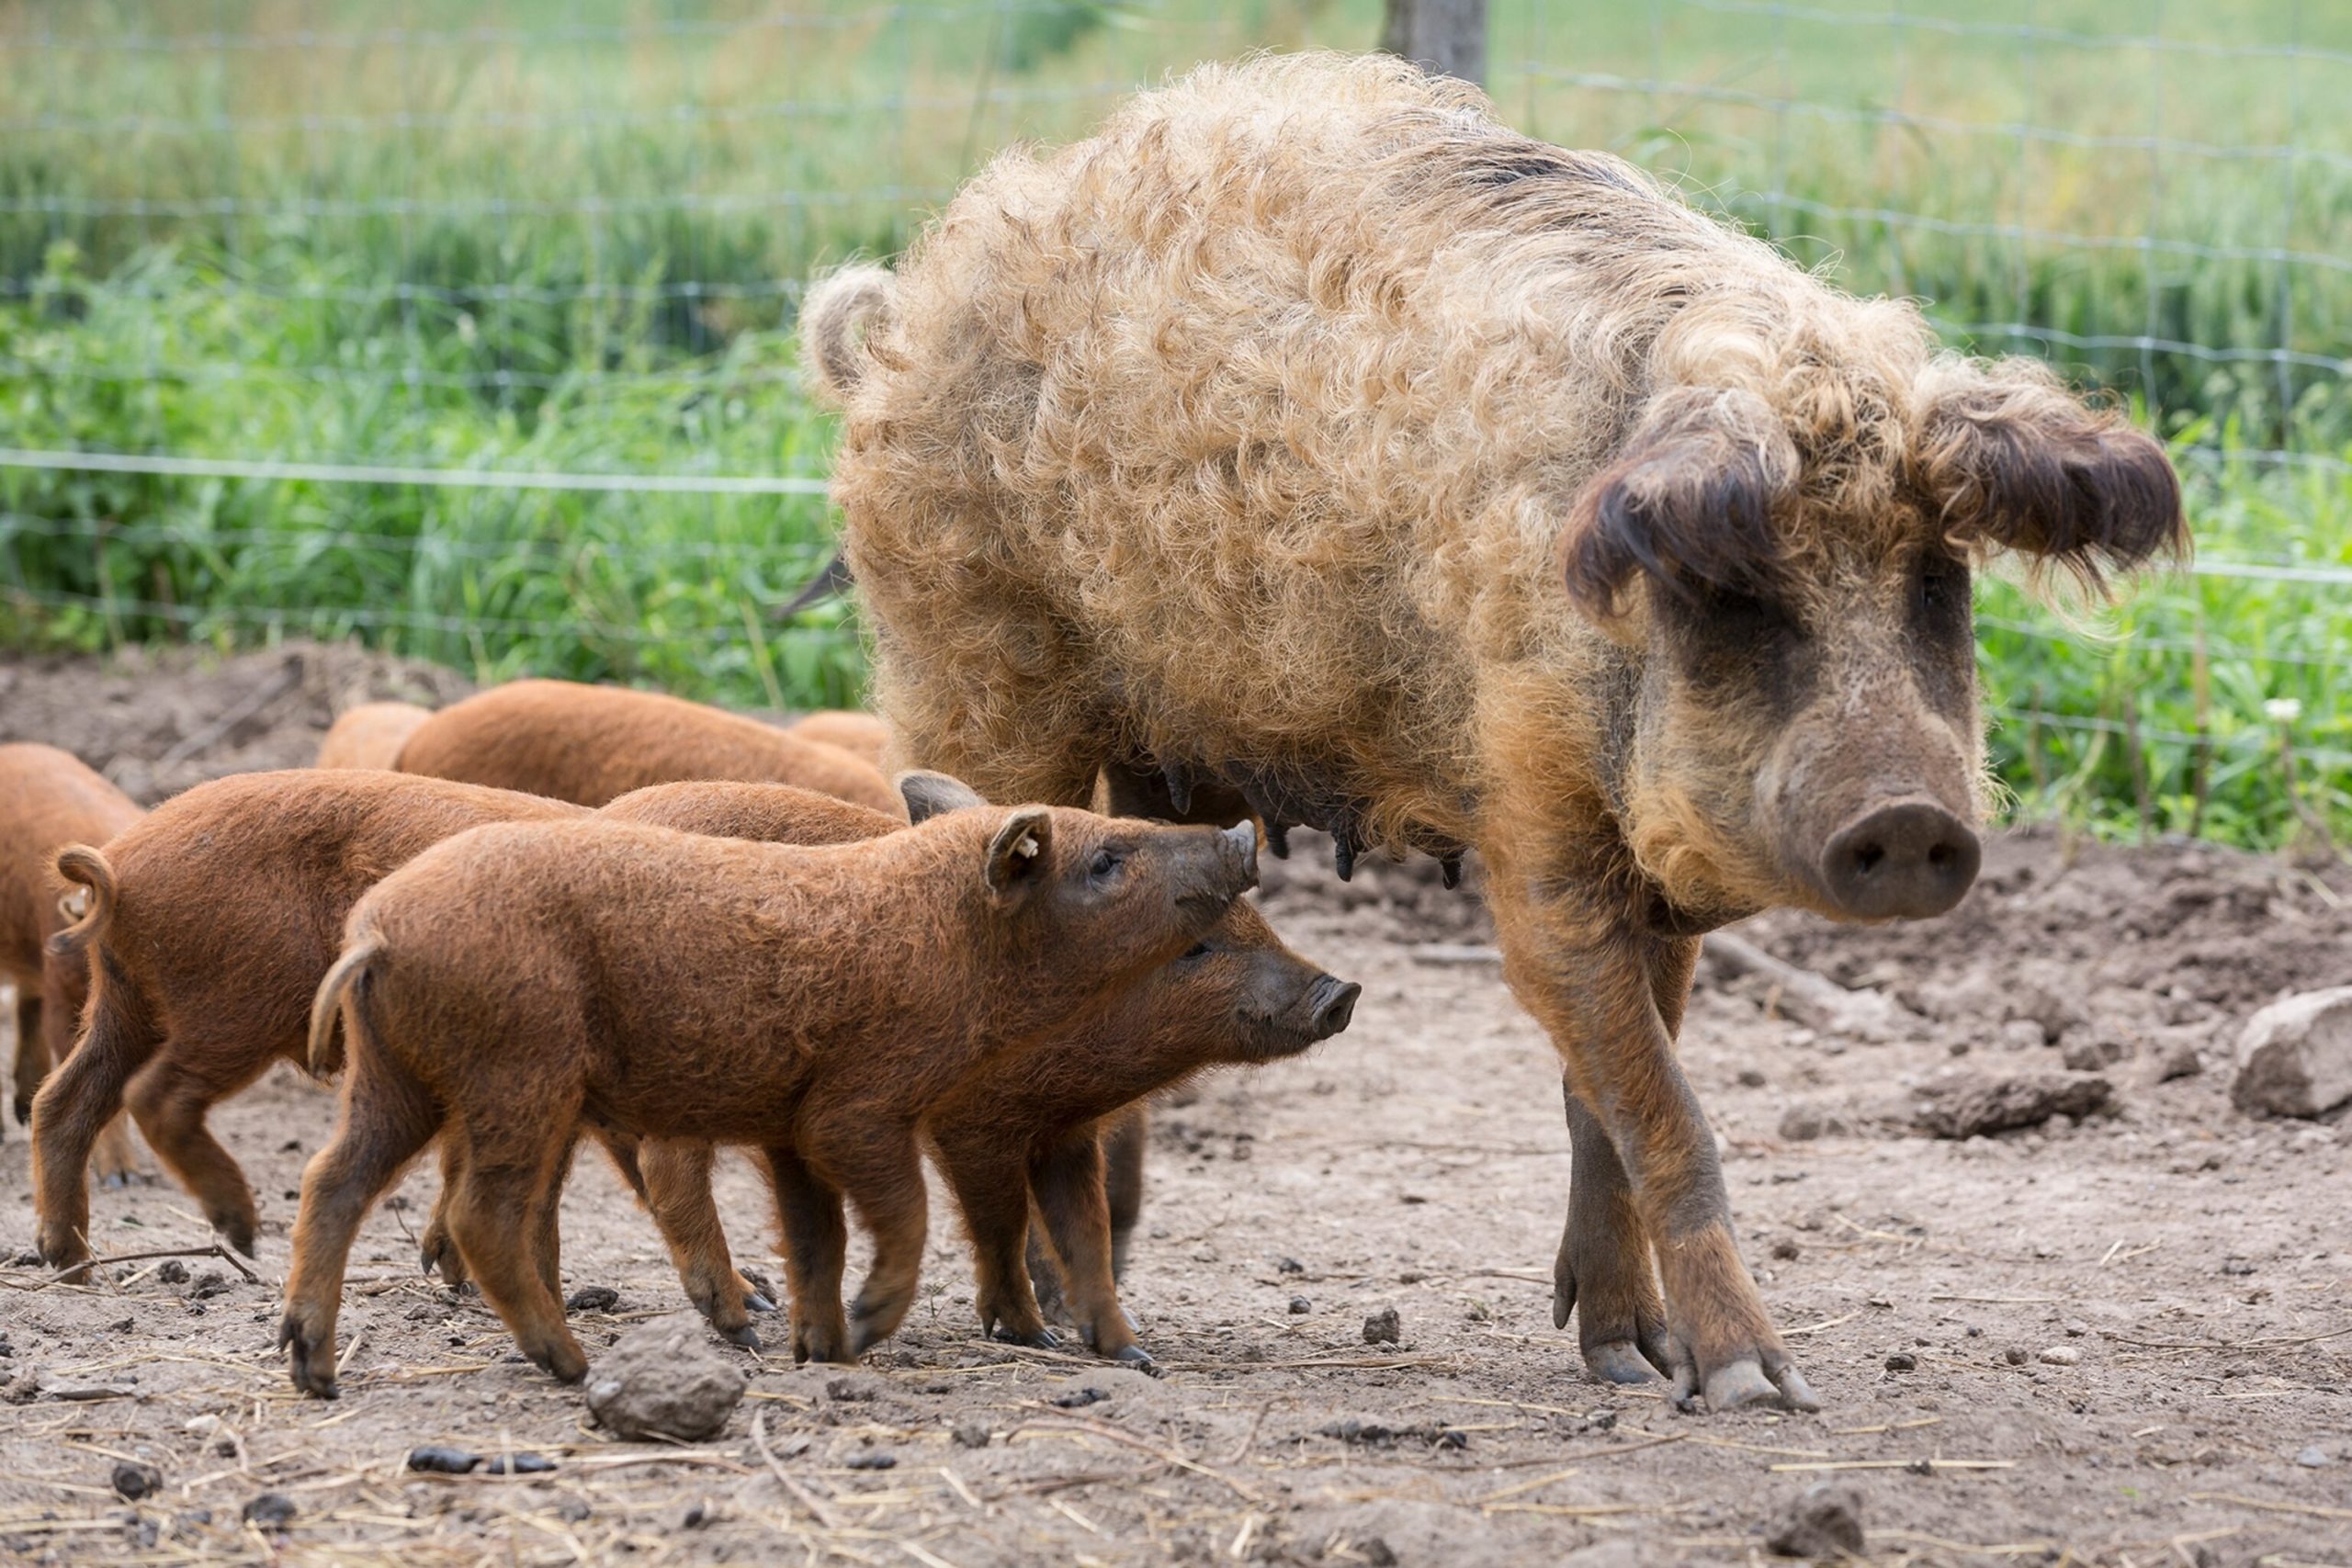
(2193, 1261)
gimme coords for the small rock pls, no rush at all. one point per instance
(173, 1273)
(2022, 1034)
(517, 1464)
(2295, 1056)
(441, 1460)
(1751, 1077)
(697, 1515)
(271, 1510)
(1802, 1124)
(2061, 1356)
(971, 1434)
(2075, 1329)
(2017, 1355)
(663, 1379)
(571, 1510)
(1382, 1327)
(1967, 1104)
(1377, 1552)
(1300, 1307)
(133, 1480)
(593, 1298)
(2312, 1457)
(1289, 1265)
(1825, 1521)
(1902, 1361)
(1787, 1250)
(875, 1461)
(2178, 1060)
(1079, 1398)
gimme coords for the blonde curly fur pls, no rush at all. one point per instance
(1256, 431)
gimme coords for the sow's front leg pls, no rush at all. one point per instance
(1592, 978)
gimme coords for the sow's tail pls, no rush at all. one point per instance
(91, 902)
(326, 1052)
(841, 309)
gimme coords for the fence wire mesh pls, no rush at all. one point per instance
(469, 330)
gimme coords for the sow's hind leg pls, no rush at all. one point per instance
(1590, 977)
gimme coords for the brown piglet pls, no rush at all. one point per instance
(370, 735)
(592, 744)
(1020, 1129)
(210, 923)
(48, 798)
(813, 1002)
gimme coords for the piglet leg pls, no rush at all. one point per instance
(510, 1174)
(881, 1172)
(677, 1190)
(171, 1099)
(992, 1191)
(1067, 1183)
(816, 1248)
(74, 1106)
(387, 1119)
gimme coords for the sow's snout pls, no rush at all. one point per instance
(1901, 859)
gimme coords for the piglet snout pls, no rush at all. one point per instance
(1330, 1002)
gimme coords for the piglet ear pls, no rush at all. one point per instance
(1017, 853)
(2015, 461)
(928, 794)
(1687, 504)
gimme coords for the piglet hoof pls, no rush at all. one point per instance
(747, 1336)
(1037, 1339)
(1620, 1361)
(61, 1249)
(759, 1296)
(24, 1109)
(115, 1178)
(238, 1231)
(562, 1362)
(310, 1363)
(754, 1302)
(1138, 1358)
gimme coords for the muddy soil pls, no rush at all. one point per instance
(2127, 1337)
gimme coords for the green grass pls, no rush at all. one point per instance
(569, 237)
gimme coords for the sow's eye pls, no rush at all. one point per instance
(1198, 950)
(1106, 860)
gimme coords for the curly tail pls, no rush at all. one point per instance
(326, 1052)
(92, 903)
(843, 308)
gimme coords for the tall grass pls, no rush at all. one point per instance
(570, 237)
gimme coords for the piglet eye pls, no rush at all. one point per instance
(1198, 950)
(1104, 863)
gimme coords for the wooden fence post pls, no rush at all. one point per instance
(1442, 35)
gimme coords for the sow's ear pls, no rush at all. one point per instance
(1017, 852)
(1688, 502)
(928, 794)
(2015, 461)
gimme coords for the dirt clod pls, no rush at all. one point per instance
(441, 1460)
(1300, 1307)
(1824, 1521)
(1967, 1104)
(971, 1434)
(1382, 1327)
(271, 1510)
(2295, 1056)
(593, 1298)
(2061, 1356)
(664, 1380)
(134, 1481)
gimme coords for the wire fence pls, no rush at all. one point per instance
(473, 337)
